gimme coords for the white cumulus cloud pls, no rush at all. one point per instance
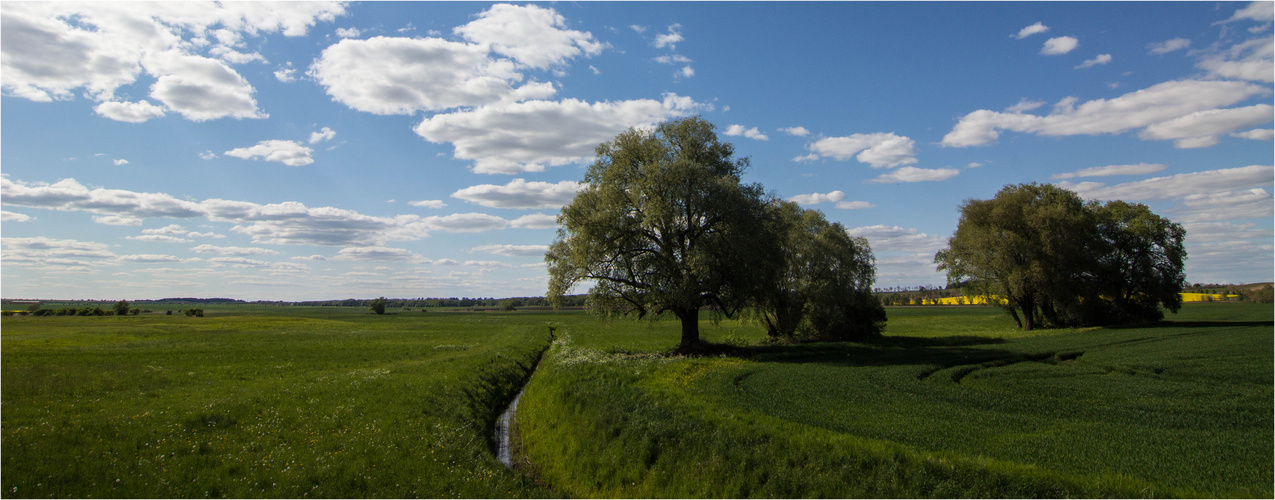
(1258, 134)
(815, 198)
(428, 203)
(376, 253)
(397, 75)
(131, 112)
(519, 193)
(534, 36)
(1180, 185)
(878, 149)
(528, 136)
(51, 50)
(854, 205)
(512, 250)
(1167, 46)
(1059, 45)
(1109, 170)
(1202, 128)
(1249, 60)
(289, 153)
(7, 216)
(751, 133)
(324, 134)
(913, 174)
(1100, 59)
(535, 221)
(1031, 30)
(669, 39)
(1158, 104)
(233, 251)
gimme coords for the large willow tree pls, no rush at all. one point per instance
(664, 224)
(1057, 261)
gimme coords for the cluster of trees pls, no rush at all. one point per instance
(1258, 295)
(917, 298)
(120, 308)
(1059, 261)
(73, 311)
(665, 225)
(1255, 293)
(569, 301)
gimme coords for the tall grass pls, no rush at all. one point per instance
(330, 404)
(1182, 409)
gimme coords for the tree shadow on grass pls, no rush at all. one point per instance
(893, 351)
(1192, 324)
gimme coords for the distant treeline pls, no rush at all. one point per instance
(916, 297)
(568, 301)
(1257, 293)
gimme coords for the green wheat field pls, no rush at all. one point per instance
(333, 402)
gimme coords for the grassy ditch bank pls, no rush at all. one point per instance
(1179, 409)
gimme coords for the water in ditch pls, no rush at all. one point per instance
(502, 430)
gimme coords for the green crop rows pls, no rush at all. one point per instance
(958, 405)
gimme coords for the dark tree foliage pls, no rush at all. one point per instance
(1140, 262)
(1058, 261)
(377, 306)
(823, 287)
(121, 308)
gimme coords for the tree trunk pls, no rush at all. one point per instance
(1028, 307)
(1014, 313)
(690, 328)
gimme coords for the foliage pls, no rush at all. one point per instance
(1140, 262)
(823, 287)
(194, 311)
(1059, 262)
(1182, 409)
(377, 306)
(121, 308)
(664, 225)
(1259, 295)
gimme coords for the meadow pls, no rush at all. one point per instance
(952, 403)
(289, 402)
(257, 401)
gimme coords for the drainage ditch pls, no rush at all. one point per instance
(506, 419)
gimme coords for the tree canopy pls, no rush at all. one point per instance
(664, 224)
(1058, 261)
(377, 306)
(822, 289)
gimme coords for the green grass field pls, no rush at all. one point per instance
(953, 403)
(318, 403)
(333, 402)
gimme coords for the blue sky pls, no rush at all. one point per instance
(301, 151)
